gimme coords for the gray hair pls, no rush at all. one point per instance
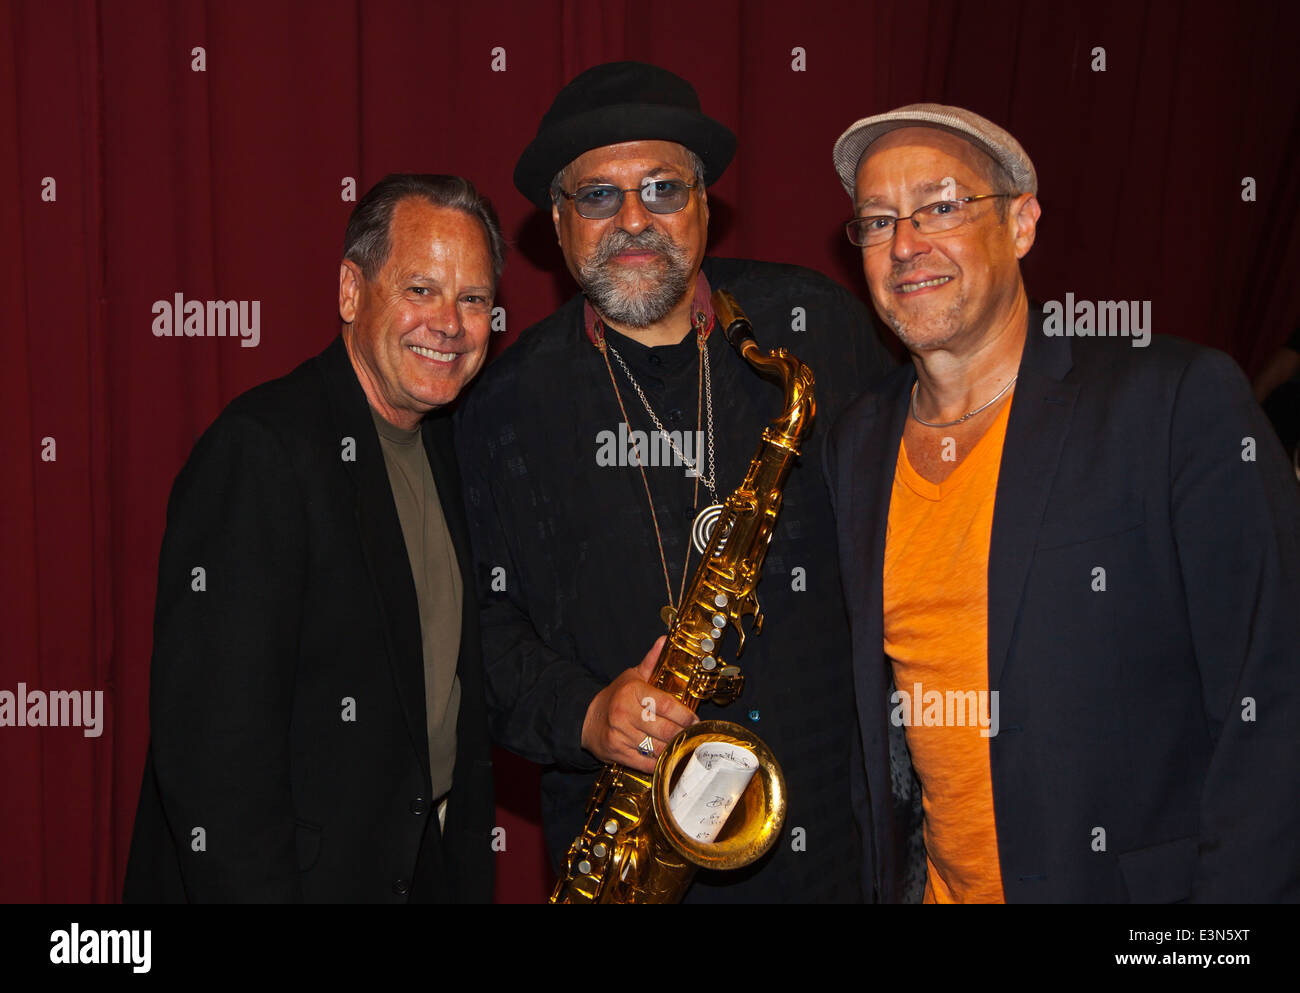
(561, 179)
(367, 241)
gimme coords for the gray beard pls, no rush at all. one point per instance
(629, 299)
(939, 333)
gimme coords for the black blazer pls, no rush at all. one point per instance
(1164, 710)
(289, 757)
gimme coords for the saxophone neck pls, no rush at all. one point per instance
(794, 422)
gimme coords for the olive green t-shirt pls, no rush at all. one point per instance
(437, 587)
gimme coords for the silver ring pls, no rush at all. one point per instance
(647, 746)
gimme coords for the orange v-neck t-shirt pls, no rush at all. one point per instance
(936, 636)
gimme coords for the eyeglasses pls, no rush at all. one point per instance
(660, 196)
(930, 219)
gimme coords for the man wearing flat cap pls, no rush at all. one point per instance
(1073, 589)
(595, 441)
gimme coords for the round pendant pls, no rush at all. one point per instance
(702, 529)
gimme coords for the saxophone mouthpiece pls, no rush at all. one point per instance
(735, 325)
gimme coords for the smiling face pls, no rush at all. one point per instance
(940, 290)
(636, 266)
(418, 331)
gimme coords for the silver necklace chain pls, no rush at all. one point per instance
(964, 417)
(708, 480)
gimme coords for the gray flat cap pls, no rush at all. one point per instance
(979, 131)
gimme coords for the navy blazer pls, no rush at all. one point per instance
(287, 696)
(1149, 748)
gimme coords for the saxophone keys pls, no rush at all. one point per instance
(730, 682)
(740, 637)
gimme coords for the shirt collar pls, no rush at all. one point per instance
(702, 316)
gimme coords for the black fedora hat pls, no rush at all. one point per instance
(616, 102)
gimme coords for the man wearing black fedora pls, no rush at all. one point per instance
(592, 444)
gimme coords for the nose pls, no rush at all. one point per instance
(907, 241)
(443, 317)
(633, 217)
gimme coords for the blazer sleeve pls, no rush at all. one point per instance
(537, 698)
(1235, 511)
(230, 588)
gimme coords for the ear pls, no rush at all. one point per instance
(1024, 215)
(555, 217)
(350, 280)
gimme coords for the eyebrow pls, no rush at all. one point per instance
(920, 190)
(599, 180)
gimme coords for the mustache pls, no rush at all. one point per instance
(618, 241)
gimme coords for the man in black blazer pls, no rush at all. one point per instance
(318, 723)
(1134, 599)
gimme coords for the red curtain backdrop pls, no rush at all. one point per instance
(226, 184)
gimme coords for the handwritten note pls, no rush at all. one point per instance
(714, 779)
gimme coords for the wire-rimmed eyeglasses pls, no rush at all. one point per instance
(944, 215)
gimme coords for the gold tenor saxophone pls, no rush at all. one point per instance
(631, 850)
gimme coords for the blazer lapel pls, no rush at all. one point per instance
(381, 540)
(863, 510)
(1041, 410)
(873, 481)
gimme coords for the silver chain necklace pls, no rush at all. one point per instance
(964, 417)
(709, 481)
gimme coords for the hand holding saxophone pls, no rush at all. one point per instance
(616, 721)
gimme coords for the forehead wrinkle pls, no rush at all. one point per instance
(657, 154)
(922, 188)
(419, 276)
(599, 179)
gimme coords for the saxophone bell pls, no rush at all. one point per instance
(755, 822)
